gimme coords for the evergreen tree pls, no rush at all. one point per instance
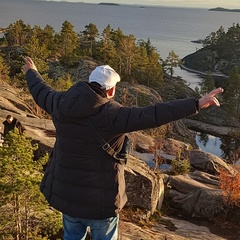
(37, 50)
(231, 96)
(224, 45)
(17, 33)
(207, 84)
(88, 37)
(90, 32)
(46, 36)
(23, 210)
(232, 43)
(172, 62)
(62, 83)
(155, 71)
(68, 42)
(126, 55)
(149, 69)
(142, 71)
(106, 49)
(213, 38)
(117, 36)
(4, 70)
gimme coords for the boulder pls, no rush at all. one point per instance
(10, 102)
(141, 142)
(208, 115)
(144, 187)
(214, 130)
(207, 162)
(181, 132)
(178, 149)
(79, 72)
(195, 198)
(198, 192)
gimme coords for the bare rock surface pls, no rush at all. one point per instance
(183, 230)
(144, 188)
(211, 129)
(207, 162)
(195, 198)
(147, 191)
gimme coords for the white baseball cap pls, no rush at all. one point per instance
(105, 76)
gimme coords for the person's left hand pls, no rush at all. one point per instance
(29, 64)
(210, 99)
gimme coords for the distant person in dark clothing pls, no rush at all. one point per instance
(1, 138)
(82, 180)
(10, 123)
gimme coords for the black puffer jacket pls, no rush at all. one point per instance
(81, 179)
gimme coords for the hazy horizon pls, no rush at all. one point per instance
(232, 4)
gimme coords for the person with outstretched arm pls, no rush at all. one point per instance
(83, 181)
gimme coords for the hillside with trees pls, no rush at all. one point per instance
(145, 77)
(219, 59)
(220, 52)
(137, 62)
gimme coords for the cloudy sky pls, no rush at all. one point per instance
(177, 3)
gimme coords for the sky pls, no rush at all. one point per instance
(177, 3)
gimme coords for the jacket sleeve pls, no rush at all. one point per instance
(42, 94)
(128, 119)
(5, 130)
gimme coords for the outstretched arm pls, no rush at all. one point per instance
(130, 119)
(43, 94)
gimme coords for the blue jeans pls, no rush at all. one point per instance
(76, 228)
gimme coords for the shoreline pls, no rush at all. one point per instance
(214, 74)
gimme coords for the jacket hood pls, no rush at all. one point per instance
(81, 101)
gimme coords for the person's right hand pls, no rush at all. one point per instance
(29, 64)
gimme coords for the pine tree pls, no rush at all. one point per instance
(172, 62)
(231, 96)
(68, 42)
(46, 36)
(17, 33)
(148, 69)
(4, 70)
(207, 84)
(88, 38)
(107, 50)
(23, 210)
(126, 54)
(38, 52)
(63, 83)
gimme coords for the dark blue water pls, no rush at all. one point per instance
(168, 28)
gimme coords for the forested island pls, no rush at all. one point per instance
(110, 4)
(219, 9)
